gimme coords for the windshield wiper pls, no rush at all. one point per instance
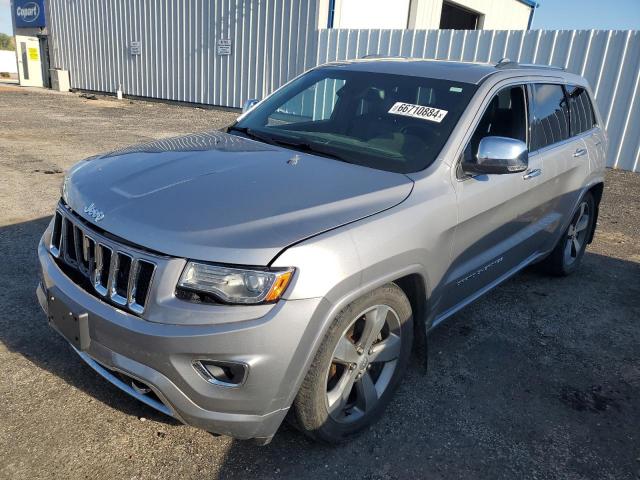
(251, 133)
(302, 146)
(313, 148)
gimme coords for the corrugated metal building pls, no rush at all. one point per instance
(214, 52)
(222, 52)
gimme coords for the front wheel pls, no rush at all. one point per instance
(567, 255)
(357, 367)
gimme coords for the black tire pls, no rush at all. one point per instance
(561, 262)
(328, 372)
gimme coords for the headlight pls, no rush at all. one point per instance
(64, 189)
(234, 285)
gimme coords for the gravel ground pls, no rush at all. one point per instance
(539, 379)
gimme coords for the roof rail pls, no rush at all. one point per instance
(507, 63)
(537, 65)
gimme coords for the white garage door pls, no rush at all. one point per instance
(373, 14)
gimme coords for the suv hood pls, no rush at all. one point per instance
(223, 198)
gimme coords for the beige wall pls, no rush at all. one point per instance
(421, 14)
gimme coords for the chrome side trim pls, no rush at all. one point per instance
(104, 373)
(207, 377)
(446, 314)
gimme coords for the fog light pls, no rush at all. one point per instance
(222, 373)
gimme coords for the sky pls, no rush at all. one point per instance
(552, 14)
(5, 18)
(587, 14)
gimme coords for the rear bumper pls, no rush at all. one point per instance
(275, 347)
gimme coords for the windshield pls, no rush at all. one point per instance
(390, 122)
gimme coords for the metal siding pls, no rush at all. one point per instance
(273, 41)
(276, 40)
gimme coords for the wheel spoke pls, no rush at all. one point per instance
(576, 246)
(367, 393)
(373, 336)
(345, 351)
(387, 350)
(375, 320)
(582, 223)
(567, 251)
(337, 398)
(583, 206)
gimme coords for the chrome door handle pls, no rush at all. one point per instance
(580, 152)
(532, 173)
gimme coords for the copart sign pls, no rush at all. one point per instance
(29, 13)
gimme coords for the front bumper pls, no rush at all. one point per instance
(276, 346)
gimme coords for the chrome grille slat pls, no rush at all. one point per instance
(97, 272)
(100, 283)
(89, 254)
(66, 242)
(138, 302)
(119, 276)
(117, 263)
(113, 270)
(133, 279)
(77, 245)
(63, 234)
(56, 235)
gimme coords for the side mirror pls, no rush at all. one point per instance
(249, 104)
(499, 155)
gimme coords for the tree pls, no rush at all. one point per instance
(6, 42)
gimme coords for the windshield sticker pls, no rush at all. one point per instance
(455, 89)
(418, 111)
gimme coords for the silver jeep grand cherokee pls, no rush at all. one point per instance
(290, 264)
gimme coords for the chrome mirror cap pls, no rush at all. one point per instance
(499, 155)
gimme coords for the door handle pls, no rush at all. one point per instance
(532, 173)
(580, 152)
(598, 142)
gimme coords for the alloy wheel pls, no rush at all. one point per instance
(576, 234)
(363, 363)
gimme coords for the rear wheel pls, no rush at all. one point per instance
(358, 366)
(567, 255)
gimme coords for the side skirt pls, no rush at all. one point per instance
(490, 286)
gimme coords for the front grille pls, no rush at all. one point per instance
(100, 266)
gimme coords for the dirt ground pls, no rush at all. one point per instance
(539, 379)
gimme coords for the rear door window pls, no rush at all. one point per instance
(582, 115)
(549, 115)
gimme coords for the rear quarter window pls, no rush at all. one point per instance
(581, 109)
